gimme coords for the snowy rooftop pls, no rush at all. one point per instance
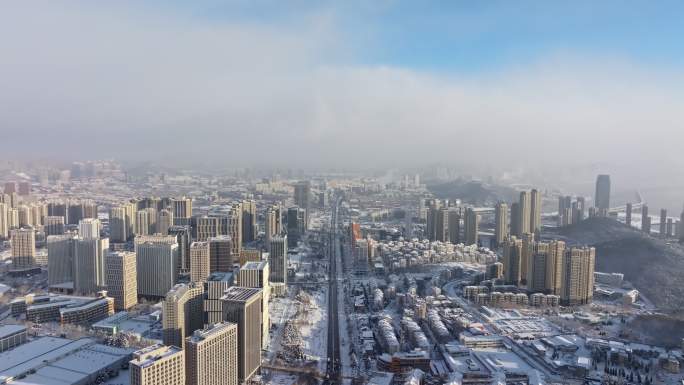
(8, 330)
(236, 293)
(69, 360)
(151, 354)
(254, 265)
(219, 328)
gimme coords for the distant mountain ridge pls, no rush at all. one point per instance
(472, 192)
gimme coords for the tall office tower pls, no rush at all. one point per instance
(234, 228)
(54, 225)
(545, 267)
(23, 248)
(454, 219)
(515, 220)
(142, 223)
(676, 229)
(602, 201)
(10, 187)
(183, 236)
(89, 266)
(24, 188)
(525, 212)
(256, 274)
(277, 259)
(182, 208)
(205, 228)
(13, 200)
(578, 276)
(148, 202)
(152, 215)
(302, 199)
(118, 230)
(164, 221)
(442, 224)
(74, 212)
(13, 218)
(564, 203)
(663, 223)
(535, 211)
(322, 200)
(58, 208)
(432, 206)
(578, 214)
(249, 217)
(296, 224)
(528, 241)
(628, 214)
(89, 209)
(645, 219)
(24, 216)
(242, 306)
(422, 208)
(158, 365)
(122, 279)
(211, 355)
(214, 288)
(431, 223)
(220, 254)
(669, 228)
(471, 226)
(572, 214)
(89, 228)
(438, 224)
(146, 221)
(361, 256)
(131, 209)
(354, 233)
(157, 264)
(182, 313)
(512, 257)
(272, 222)
(199, 261)
(500, 223)
(4, 225)
(34, 214)
(60, 259)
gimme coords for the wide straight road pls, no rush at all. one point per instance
(334, 362)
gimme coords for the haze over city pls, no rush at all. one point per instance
(411, 83)
(341, 192)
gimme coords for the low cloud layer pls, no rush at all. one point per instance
(125, 81)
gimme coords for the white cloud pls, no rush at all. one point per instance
(126, 81)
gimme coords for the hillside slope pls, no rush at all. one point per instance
(654, 266)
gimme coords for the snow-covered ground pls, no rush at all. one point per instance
(280, 310)
(282, 379)
(313, 325)
(310, 319)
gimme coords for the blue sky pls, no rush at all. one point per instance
(466, 36)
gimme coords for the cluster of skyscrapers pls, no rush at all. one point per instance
(451, 223)
(524, 217)
(550, 268)
(215, 291)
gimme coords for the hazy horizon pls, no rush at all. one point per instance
(245, 84)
